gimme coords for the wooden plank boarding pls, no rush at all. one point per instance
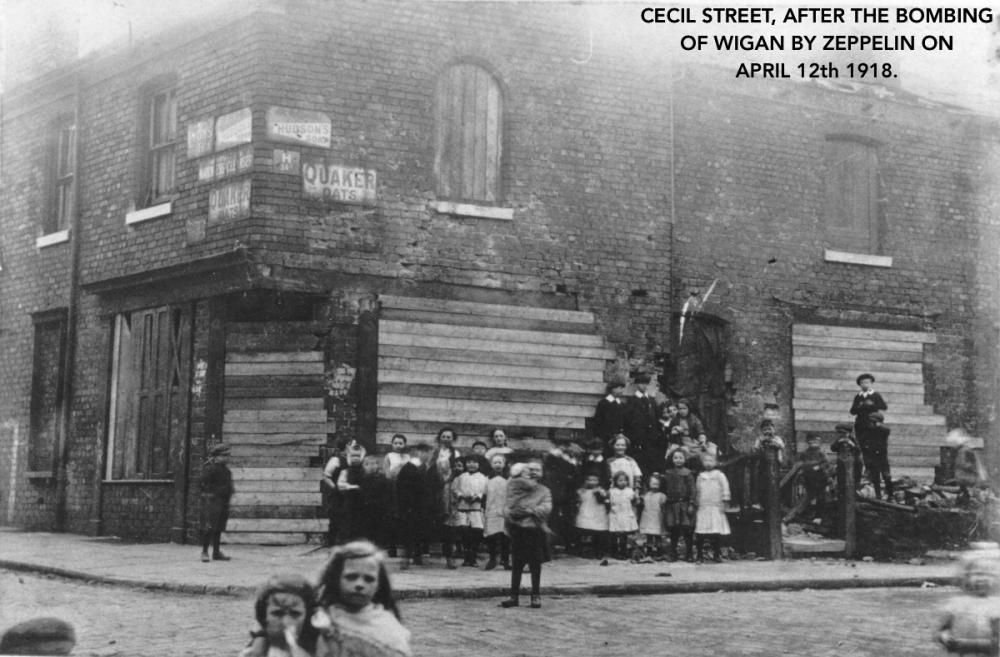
(484, 309)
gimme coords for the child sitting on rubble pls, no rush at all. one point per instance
(971, 619)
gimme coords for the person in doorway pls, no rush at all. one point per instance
(216, 487)
(872, 434)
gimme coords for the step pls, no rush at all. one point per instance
(805, 545)
(490, 394)
(490, 356)
(871, 334)
(279, 485)
(306, 525)
(275, 357)
(473, 405)
(477, 381)
(472, 416)
(856, 344)
(497, 334)
(864, 355)
(833, 416)
(487, 370)
(852, 364)
(273, 538)
(898, 409)
(489, 321)
(484, 344)
(484, 309)
(284, 474)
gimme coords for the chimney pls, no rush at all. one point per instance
(37, 37)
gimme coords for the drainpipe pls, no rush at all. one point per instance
(62, 450)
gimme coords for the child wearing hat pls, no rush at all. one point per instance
(767, 438)
(216, 487)
(871, 433)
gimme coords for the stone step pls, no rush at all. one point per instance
(476, 343)
(478, 381)
(278, 485)
(489, 370)
(484, 309)
(491, 356)
(278, 498)
(898, 409)
(855, 332)
(473, 405)
(856, 344)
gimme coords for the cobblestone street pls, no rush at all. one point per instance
(876, 622)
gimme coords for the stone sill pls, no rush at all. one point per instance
(152, 212)
(58, 237)
(866, 259)
(472, 210)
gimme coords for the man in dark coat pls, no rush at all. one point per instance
(609, 417)
(642, 428)
(872, 434)
(216, 487)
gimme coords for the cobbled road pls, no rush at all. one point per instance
(876, 622)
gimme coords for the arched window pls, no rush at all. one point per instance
(469, 135)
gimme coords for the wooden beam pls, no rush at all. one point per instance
(503, 335)
(492, 356)
(276, 357)
(488, 370)
(477, 381)
(483, 344)
(488, 309)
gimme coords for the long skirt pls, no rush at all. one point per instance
(529, 545)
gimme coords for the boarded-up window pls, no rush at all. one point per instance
(63, 155)
(148, 392)
(469, 135)
(162, 137)
(47, 389)
(852, 191)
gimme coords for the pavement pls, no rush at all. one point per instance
(173, 567)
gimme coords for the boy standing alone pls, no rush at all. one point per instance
(216, 486)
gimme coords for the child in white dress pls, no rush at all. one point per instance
(621, 516)
(621, 462)
(469, 493)
(711, 495)
(651, 520)
(496, 500)
(592, 514)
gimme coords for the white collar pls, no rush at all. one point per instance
(611, 398)
(869, 393)
(640, 394)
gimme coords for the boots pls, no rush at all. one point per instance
(510, 602)
(536, 601)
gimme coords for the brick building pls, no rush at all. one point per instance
(293, 224)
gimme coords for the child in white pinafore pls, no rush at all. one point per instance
(621, 516)
(592, 514)
(496, 500)
(651, 520)
(711, 494)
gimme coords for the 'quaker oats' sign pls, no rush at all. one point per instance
(297, 126)
(230, 201)
(333, 182)
(233, 129)
(199, 138)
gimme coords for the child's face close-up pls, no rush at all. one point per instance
(591, 482)
(621, 482)
(284, 610)
(620, 446)
(767, 430)
(678, 458)
(497, 463)
(479, 448)
(358, 582)
(499, 438)
(398, 444)
(682, 410)
(866, 384)
(654, 484)
(446, 438)
(353, 459)
(370, 465)
(472, 466)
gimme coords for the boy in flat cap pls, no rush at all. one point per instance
(871, 433)
(216, 486)
(643, 428)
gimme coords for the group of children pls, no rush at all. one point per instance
(675, 504)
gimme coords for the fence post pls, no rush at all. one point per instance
(773, 503)
(846, 496)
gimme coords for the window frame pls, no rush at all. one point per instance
(62, 180)
(469, 133)
(160, 143)
(41, 321)
(842, 220)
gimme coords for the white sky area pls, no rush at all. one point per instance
(968, 76)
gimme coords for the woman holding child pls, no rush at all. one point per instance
(527, 510)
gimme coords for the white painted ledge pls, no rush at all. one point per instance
(857, 258)
(472, 210)
(57, 237)
(152, 212)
